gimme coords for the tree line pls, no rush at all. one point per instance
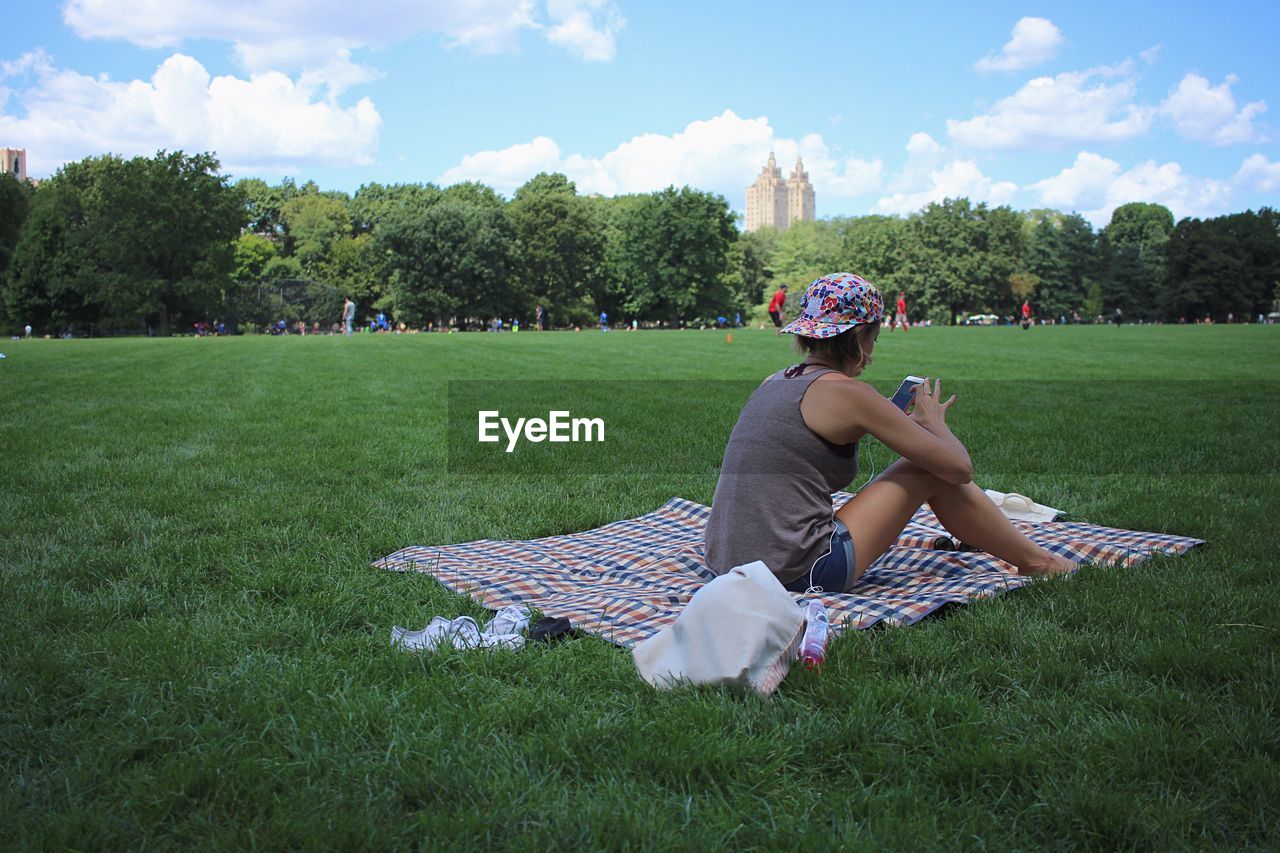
(156, 244)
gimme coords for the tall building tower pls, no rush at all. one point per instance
(799, 195)
(13, 161)
(767, 198)
(774, 202)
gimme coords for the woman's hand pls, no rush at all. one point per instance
(927, 409)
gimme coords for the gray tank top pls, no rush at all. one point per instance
(773, 498)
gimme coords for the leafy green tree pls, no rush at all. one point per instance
(51, 282)
(561, 243)
(1079, 247)
(473, 193)
(15, 203)
(748, 275)
(350, 268)
(264, 205)
(1045, 261)
(252, 254)
(872, 247)
(1226, 265)
(805, 251)
(1022, 286)
(151, 239)
(246, 300)
(1061, 252)
(620, 217)
(943, 257)
(1258, 236)
(1133, 257)
(669, 255)
(1001, 250)
(313, 221)
(452, 260)
(372, 203)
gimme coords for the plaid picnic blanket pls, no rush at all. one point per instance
(627, 580)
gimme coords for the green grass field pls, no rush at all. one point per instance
(197, 651)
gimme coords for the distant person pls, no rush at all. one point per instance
(900, 313)
(539, 318)
(604, 321)
(1118, 317)
(26, 331)
(1026, 315)
(348, 314)
(776, 306)
(515, 324)
(737, 319)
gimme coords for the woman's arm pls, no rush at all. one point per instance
(843, 410)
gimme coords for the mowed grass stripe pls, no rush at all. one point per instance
(199, 656)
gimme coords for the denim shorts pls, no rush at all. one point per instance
(833, 571)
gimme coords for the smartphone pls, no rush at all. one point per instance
(902, 397)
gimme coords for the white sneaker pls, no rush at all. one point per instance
(461, 633)
(501, 632)
(513, 619)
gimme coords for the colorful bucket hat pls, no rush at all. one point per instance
(834, 303)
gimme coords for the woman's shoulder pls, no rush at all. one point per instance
(839, 389)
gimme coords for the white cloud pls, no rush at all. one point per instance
(1096, 186)
(575, 27)
(838, 178)
(1208, 113)
(1086, 179)
(1258, 174)
(264, 122)
(1075, 107)
(956, 178)
(722, 154)
(1033, 41)
(309, 34)
(932, 173)
(922, 145)
(508, 168)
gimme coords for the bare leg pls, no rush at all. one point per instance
(876, 516)
(971, 516)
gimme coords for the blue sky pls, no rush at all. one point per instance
(1066, 105)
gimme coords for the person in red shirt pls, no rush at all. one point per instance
(900, 315)
(776, 305)
(1026, 314)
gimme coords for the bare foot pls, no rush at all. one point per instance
(1050, 566)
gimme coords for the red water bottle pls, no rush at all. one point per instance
(813, 648)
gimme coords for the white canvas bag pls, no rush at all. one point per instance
(741, 631)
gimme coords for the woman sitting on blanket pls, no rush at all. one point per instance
(796, 442)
